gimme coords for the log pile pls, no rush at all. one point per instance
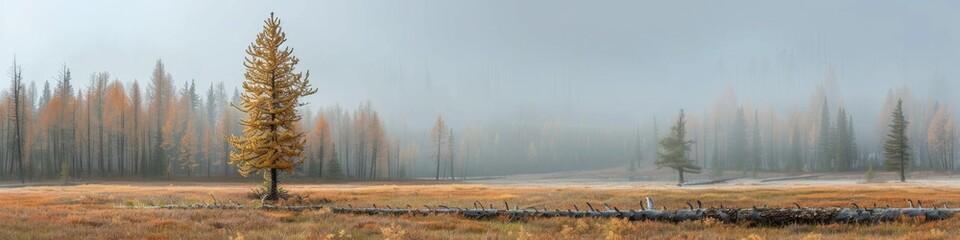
(750, 216)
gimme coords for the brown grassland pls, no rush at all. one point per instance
(93, 211)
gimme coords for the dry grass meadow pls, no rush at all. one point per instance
(93, 211)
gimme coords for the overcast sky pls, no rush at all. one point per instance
(603, 61)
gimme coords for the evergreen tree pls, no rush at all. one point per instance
(674, 147)
(737, 145)
(896, 148)
(796, 159)
(854, 153)
(824, 143)
(843, 144)
(333, 170)
(45, 94)
(271, 141)
(161, 93)
(717, 165)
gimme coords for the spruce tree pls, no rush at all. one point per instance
(842, 145)
(824, 143)
(674, 147)
(717, 164)
(271, 141)
(896, 148)
(737, 148)
(333, 170)
(795, 161)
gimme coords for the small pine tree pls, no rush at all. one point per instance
(333, 170)
(737, 145)
(870, 174)
(674, 147)
(896, 149)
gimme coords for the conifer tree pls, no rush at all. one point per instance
(794, 163)
(843, 144)
(333, 170)
(674, 147)
(896, 148)
(188, 150)
(737, 149)
(271, 141)
(824, 143)
(854, 153)
(161, 93)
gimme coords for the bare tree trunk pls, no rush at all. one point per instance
(274, 194)
(438, 161)
(681, 177)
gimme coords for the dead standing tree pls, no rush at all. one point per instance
(16, 115)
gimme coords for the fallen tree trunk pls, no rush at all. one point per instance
(711, 181)
(748, 216)
(791, 178)
(229, 206)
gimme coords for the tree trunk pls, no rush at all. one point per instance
(438, 161)
(681, 177)
(273, 195)
(903, 171)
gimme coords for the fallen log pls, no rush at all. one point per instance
(710, 181)
(791, 178)
(749, 216)
(228, 206)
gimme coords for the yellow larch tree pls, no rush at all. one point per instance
(271, 142)
(188, 149)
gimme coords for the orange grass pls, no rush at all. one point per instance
(91, 212)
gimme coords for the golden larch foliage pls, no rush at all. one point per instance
(272, 91)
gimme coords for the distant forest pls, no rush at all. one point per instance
(163, 129)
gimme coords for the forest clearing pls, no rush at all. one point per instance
(108, 210)
(493, 119)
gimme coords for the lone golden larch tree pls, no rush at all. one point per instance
(271, 141)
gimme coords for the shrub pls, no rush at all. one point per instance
(870, 174)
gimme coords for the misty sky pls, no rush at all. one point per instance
(599, 61)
